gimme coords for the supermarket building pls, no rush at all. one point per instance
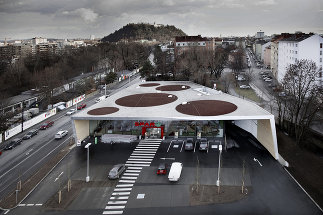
(175, 109)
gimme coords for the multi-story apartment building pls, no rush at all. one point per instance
(274, 52)
(185, 43)
(257, 48)
(297, 47)
(267, 57)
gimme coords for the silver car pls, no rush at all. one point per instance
(116, 171)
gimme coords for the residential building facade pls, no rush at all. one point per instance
(297, 47)
(185, 43)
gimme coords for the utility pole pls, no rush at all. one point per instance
(87, 179)
(218, 181)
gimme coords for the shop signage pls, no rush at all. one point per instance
(148, 124)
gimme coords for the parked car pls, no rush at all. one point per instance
(81, 106)
(46, 125)
(13, 143)
(175, 171)
(244, 86)
(116, 171)
(203, 145)
(70, 112)
(101, 98)
(268, 80)
(30, 134)
(189, 144)
(162, 169)
(61, 134)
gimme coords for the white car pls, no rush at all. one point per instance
(267, 80)
(61, 134)
(71, 111)
(175, 171)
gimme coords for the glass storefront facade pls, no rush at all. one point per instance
(159, 129)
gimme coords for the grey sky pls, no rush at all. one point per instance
(81, 18)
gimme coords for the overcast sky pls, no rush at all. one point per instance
(81, 18)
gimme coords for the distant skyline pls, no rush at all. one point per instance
(25, 19)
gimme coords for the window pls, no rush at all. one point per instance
(321, 60)
(320, 74)
(321, 44)
(320, 52)
(295, 52)
(296, 44)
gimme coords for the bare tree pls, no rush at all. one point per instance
(304, 98)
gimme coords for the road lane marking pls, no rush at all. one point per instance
(169, 145)
(182, 146)
(133, 171)
(143, 162)
(7, 211)
(128, 177)
(131, 174)
(116, 202)
(58, 176)
(134, 156)
(140, 159)
(133, 167)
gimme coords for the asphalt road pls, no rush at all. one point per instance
(24, 160)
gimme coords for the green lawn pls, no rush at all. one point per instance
(247, 93)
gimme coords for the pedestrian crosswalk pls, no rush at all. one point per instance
(141, 157)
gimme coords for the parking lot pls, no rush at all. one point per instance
(267, 187)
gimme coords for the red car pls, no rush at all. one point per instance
(162, 170)
(81, 106)
(46, 125)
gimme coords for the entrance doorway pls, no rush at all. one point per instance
(153, 133)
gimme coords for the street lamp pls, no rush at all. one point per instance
(218, 181)
(87, 179)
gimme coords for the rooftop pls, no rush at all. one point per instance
(172, 100)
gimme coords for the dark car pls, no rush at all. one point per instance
(46, 125)
(162, 169)
(189, 144)
(30, 134)
(116, 171)
(13, 143)
(81, 106)
(203, 145)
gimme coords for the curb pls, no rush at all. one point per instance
(50, 171)
(303, 190)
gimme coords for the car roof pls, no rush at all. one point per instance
(161, 165)
(61, 132)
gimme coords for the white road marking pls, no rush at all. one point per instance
(119, 198)
(114, 207)
(128, 177)
(116, 202)
(147, 147)
(21, 205)
(142, 156)
(140, 159)
(129, 170)
(133, 167)
(152, 150)
(30, 205)
(182, 146)
(122, 189)
(7, 211)
(38, 204)
(169, 145)
(112, 212)
(131, 174)
(121, 194)
(141, 165)
(145, 154)
(145, 162)
(127, 181)
(58, 176)
(124, 185)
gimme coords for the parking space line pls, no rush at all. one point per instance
(121, 194)
(169, 145)
(124, 185)
(182, 146)
(119, 197)
(112, 212)
(116, 202)
(127, 181)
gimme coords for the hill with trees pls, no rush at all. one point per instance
(141, 31)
